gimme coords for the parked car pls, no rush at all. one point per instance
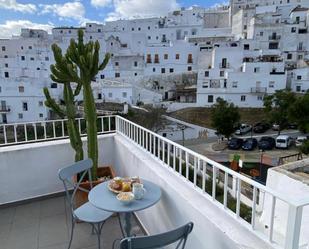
(249, 144)
(292, 126)
(283, 142)
(261, 127)
(275, 127)
(243, 129)
(235, 143)
(266, 143)
(300, 140)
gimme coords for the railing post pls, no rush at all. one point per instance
(293, 227)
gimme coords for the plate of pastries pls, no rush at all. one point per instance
(122, 184)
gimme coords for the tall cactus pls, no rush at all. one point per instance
(69, 111)
(80, 65)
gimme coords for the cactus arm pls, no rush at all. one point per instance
(51, 103)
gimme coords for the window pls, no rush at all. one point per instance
(149, 37)
(22, 57)
(171, 70)
(165, 56)
(243, 98)
(234, 84)
(245, 27)
(271, 84)
(99, 30)
(190, 59)
(156, 59)
(246, 46)
(21, 47)
(148, 27)
(117, 75)
(205, 85)
(221, 73)
(110, 95)
(293, 29)
(177, 56)
(148, 58)
(260, 98)
(153, 69)
(256, 69)
(30, 47)
(40, 103)
(3, 48)
(298, 77)
(6, 65)
(135, 74)
(189, 68)
(298, 88)
(6, 74)
(261, 33)
(25, 106)
(124, 94)
(132, 29)
(116, 63)
(5, 56)
(41, 115)
(32, 58)
(139, 29)
(289, 56)
(20, 115)
(300, 57)
(135, 63)
(273, 45)
(53, 85)
(102, 76)
(210, 98)
(206, 73)
(46, 58)
(162, 70)
(297, 19)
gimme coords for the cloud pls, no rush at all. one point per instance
(69, 10)
(101, 3)
(14, 27)
(140, 8)
(13, 5)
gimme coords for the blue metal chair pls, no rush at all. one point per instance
(87, 212)
(158, 241)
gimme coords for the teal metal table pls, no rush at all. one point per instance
(101, 197)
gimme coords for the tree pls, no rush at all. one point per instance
(277, 106)
(299, 113)
(80, 65)
(224, 117)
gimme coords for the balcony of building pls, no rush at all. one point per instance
(274, 37)
(258, 89)
(227, 208)
(5, 108)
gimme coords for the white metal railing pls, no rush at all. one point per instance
(210, 177)
(38, 131)
(205, 175)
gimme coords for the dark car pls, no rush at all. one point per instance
(261, 127)
(292, 126)
(234, 143)
(266, 143)
(249, 144)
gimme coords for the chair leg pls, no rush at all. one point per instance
(99, 236)
(72, 230)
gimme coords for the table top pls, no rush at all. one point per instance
(101, 197)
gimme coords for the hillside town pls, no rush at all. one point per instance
(188, 58)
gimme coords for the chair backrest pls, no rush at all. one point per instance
(157, 241)
(66, 175)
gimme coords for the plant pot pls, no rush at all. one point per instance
(81, 197)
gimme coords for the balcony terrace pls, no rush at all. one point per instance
(228, 209)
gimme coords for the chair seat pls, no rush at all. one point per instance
(89, 213)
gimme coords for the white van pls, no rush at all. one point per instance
(283, 142)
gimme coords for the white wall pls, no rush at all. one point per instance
(31, 170)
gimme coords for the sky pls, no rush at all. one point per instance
(46, 14)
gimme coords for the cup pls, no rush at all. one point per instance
(138, 190)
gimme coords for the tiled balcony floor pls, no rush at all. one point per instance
(46, 224)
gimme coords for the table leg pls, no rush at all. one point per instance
(125, 223)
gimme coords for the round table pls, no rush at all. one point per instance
(101, 197)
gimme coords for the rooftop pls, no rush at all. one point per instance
(45, 224)
(228, 209)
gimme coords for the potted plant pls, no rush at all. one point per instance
(80, 65)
